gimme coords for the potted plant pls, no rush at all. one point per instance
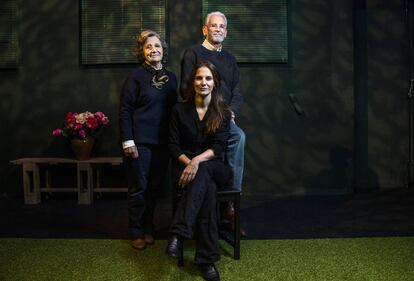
(82, 129)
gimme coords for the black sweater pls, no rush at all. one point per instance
(144, 110)
(226, 66)
(187, 133)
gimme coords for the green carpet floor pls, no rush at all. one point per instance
(376, 259)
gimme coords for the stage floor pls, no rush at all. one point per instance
(377, 214)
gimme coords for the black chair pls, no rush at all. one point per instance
(232, 237)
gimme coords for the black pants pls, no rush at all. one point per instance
(146, 176)
(197, 209)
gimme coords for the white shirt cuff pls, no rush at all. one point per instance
(128, 143)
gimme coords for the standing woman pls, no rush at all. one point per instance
(147, 97)
(199, 129)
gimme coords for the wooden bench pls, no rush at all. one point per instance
(87, 174)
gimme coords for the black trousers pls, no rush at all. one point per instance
(196, 213)
(146, 176)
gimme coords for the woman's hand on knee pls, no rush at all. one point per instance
(188, 173)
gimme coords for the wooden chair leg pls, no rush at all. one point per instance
(180, 261)
(234, 240)
(237, 226)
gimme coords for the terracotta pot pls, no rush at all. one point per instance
(82, 149)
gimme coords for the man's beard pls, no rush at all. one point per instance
(218, 38)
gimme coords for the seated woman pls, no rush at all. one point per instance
(199, 129)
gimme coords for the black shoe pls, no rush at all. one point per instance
(209, 272)
(174, 247)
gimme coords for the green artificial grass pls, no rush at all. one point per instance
(376, 259)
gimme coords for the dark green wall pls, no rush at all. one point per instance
(388, 82)
(285, 153)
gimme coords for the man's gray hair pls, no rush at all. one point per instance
(217, 13)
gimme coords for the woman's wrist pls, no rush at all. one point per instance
(184, 160)
(195, 160)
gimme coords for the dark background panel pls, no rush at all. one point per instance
(286, 153)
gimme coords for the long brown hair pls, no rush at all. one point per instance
(218, 109)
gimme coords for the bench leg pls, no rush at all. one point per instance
(31, 183)
(85, 189)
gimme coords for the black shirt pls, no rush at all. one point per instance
(144, 110)
(188, 136)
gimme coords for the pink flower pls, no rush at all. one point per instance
(99, 115)
(82, 134)
(82, 125)
(92, 123)
(77, 127)
(102, 119)
(70, 119)
(105, 120)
